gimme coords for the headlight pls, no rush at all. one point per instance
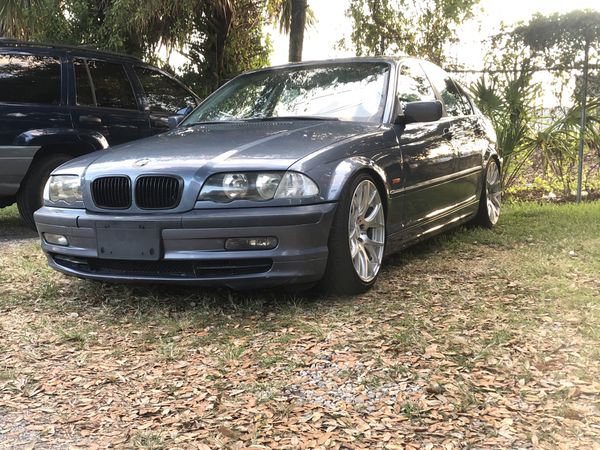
(257, 186)
(296, 185)
(63, 188)
(235, 185)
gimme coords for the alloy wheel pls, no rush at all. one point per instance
(366, 231)
(493, 190)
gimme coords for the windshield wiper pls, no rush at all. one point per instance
(276, 118)
(210, 122)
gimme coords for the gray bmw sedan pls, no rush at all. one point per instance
(298, 174)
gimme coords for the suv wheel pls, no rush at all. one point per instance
(30, 195)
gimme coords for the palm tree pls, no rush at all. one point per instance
(293, 16)
(15, 18)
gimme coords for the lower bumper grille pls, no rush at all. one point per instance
(165, 268)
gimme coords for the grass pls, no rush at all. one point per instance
(463, 329)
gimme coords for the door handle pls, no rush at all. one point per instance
(447, 134)
(90, 120)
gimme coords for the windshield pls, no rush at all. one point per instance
(344, 91)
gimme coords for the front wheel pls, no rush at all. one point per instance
(357, 239)
(491, 197)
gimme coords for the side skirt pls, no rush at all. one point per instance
(452, 219)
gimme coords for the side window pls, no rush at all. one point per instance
(450, 94)
(164, 94)
(467, 103)
(29, 79)
(84, 94)
(103, 84)
(413, 85)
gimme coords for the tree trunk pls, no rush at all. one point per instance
(219, 15)
(297, 25)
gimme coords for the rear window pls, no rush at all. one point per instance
(29, 79)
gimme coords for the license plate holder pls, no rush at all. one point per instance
(117, 240)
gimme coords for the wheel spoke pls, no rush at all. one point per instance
(364, 200)
(373, 218)
(353, 249)
(372, 245)
(364, 257)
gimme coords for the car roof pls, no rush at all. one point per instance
(77, 50)
(355, 59)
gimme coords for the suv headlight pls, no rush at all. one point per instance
(63, 188)
(257, 186)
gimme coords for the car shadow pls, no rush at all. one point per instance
(180, 299)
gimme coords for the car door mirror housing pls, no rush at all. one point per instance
(174, 121)
(421, 112)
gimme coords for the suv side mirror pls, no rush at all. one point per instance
(174, 121)
(184, 111)
(179, 116)
(421, 112)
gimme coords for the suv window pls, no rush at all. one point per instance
(164, 94)
(104, 84)
(413, 85)
(450, 94)
(30, 79)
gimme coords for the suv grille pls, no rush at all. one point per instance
(112, 192)
(157, 192)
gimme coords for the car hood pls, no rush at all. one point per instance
(210, 148)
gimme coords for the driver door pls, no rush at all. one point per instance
(428, 158)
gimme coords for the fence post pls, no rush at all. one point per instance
(583, 120)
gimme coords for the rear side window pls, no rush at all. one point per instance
(164, 94)
(29, 79)
(468, 105)
(451, 96)
(103, 84)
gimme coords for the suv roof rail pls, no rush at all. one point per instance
(80, 47)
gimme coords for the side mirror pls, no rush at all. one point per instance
(184, 111)
(421, 112)
(174, 121)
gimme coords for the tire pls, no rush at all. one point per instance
(490, 201)
(352, 233)
(30, 195)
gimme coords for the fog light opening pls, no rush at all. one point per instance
(56, 239)
(251, 243)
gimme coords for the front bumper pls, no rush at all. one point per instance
(192, 245)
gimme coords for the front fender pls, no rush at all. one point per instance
(347, 169)
(62, 136)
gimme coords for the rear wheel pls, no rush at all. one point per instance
(30, 195)
(491, 197)
(357, 239)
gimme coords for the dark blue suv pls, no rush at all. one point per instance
(59, 102)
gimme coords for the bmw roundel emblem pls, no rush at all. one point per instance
(141, 162)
